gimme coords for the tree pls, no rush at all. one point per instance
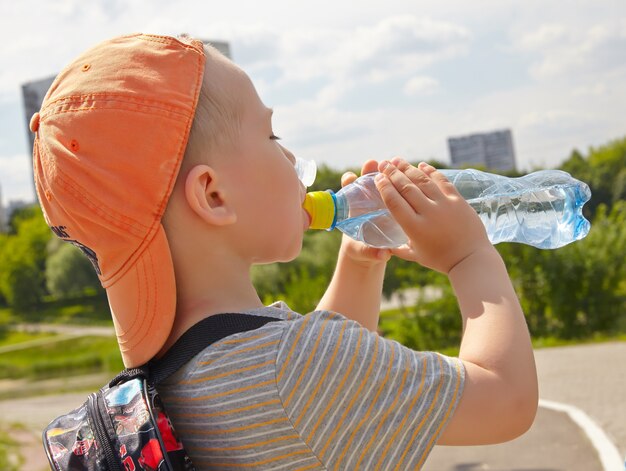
(21, 280)
(23, 214)
(432, 324)
(579, 289)
(604, 170)
(69, 272)
(23, 259)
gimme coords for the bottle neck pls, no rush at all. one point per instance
(342, 210)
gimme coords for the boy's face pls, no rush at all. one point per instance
(268, 194)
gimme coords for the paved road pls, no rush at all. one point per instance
(589, 377)
(553, 443)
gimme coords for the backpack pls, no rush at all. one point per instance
(124, 425)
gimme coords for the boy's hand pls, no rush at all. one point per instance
(441, 226)
(359, 252)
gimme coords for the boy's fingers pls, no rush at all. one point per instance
(409, 189)
(420, 178)
(369, 167)
(444, 185)
(406, 252)
(401, 211)
(404, 196)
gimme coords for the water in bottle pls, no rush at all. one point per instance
(542, 209)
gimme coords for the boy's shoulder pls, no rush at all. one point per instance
(328, 382)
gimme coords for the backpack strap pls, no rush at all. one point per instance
(192, 342)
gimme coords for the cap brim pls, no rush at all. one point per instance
(143, 303)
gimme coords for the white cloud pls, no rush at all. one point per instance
(546, 35)
(421, 86)
(553, 118)
(397, 46)
(348, 87)
(569, 50)
(401, 45)
(596, 89)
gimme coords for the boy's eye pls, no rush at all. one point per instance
(276, 138)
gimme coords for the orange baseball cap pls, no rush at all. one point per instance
(110, 138)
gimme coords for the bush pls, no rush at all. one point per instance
(69, 273)
(23, 260)
(431, 325)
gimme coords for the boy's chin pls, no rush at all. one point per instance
(289, 257)
(284, 257)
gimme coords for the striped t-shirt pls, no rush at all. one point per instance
(315, 392)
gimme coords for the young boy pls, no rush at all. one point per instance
(157, 158)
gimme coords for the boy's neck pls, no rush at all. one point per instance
(208, 284)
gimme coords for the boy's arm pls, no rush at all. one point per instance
(356, 286)
(499, 399)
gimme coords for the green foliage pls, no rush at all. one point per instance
(69, 273)
(90, 309)
(431, 325)
(23, 258)
(401, 274)
(33, 264)
(23, 214)
(604, 170)
(579, 289)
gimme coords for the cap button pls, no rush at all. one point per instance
(34, 122)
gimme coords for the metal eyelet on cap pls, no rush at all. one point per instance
(74, 145)
(86, 67)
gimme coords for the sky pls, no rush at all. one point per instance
(351, 81)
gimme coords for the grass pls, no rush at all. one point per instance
(67, 357)
(91, 309)
(13, 337)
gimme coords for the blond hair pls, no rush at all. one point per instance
(217, 120)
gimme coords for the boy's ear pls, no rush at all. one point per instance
(206, 197)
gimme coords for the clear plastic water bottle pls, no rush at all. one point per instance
(542, 209)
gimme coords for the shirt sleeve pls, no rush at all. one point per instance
(361, 401)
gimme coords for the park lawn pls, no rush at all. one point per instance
(86, 310)
(13, 337)
(64, 357)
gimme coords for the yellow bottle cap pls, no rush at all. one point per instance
(321, 207)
